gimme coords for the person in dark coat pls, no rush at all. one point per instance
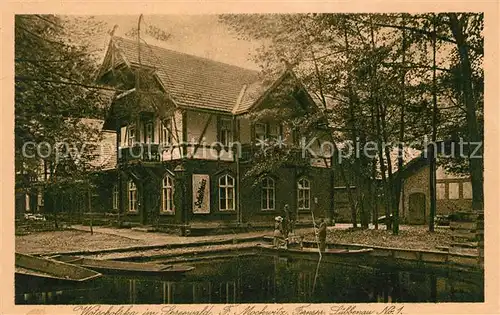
(286, 220)
(322, 235)
(293, 218)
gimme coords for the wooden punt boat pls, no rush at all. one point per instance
(113, 266)
(29, 267)
(308, 252)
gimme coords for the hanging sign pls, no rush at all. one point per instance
(201, 193)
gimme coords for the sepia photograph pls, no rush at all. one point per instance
(238, 158)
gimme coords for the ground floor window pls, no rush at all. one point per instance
(167, 195)
(226, 193)
(467, 190)
(132, 197)
(268, 194)
(115, 197)
(304, 194)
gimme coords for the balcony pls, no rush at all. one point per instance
(292, 156)
(144, 152)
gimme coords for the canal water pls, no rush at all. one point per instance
(267, 279)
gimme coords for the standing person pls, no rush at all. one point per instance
(278, 235)
(322, 235)
(293, 217)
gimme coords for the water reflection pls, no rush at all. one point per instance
(266, 280)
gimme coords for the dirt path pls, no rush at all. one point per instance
(57, 241)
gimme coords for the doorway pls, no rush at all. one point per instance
(417, 209)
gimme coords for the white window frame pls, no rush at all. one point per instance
(451, 195)
(166, 131)
(268, 193)
(148, 132)
(276, 135)
(39, 199)
(303, 189)
(259, 135)
(227, 204)
(115, 197)
(225, 131)
(131, 135)
(464, 196)
(167, 195)
(132, 197)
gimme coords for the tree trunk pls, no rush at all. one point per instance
(353, 133)
(375, 100)
(475, 164)
(389, 183)
(433, 152)
(400, 181)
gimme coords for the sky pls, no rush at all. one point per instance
(200, 35)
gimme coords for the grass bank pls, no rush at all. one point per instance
(410, 237)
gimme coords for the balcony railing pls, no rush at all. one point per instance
(251, 152)
(145, 152)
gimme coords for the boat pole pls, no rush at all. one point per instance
(316, 235)
(319, 251)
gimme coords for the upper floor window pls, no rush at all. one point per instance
(260, 131)
(226, 193)
(225, 131)
(167, 195)
(148, 132)
(131, 135)
(166, 131)
(267, 131)
(274, 131)
(304, 194)
(268, 194)
(132, 196)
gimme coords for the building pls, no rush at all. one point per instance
(31, 194)
(187, 138)
(453, 193)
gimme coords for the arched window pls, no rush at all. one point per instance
(226, 193)
(132, 196)
(268, 194)
(304, 194)
(167, 194)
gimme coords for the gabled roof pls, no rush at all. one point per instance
(192, 81)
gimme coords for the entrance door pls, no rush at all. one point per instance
(417, 208)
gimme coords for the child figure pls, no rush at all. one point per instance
(278, 232)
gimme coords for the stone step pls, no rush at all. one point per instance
(460, 236)
(144, 229)
(465, 216)
(465, 244)
(455, 225)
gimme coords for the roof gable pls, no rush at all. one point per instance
(191, 81)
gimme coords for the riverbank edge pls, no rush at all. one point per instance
(378, 253)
